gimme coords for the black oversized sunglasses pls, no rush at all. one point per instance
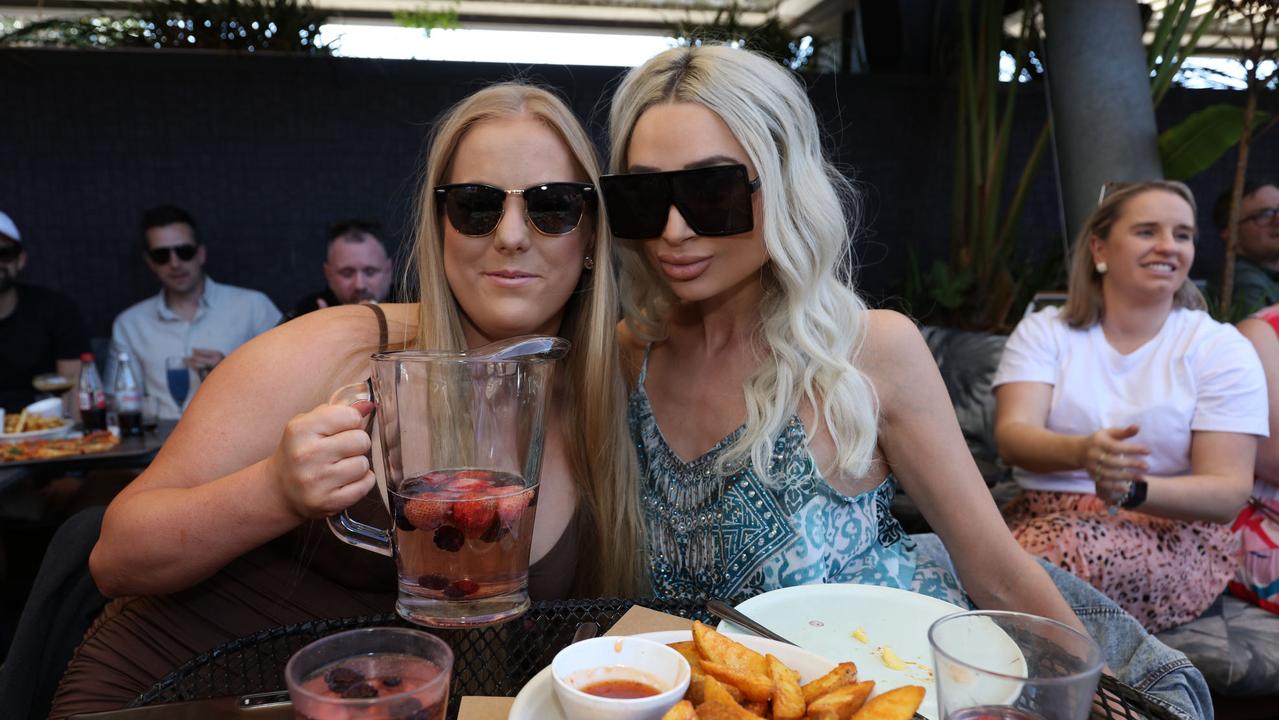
(160, 256)
(554, 208)
(713, 201)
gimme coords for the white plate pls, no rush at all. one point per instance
(536, 700)
(49, 407)
(823, 618)
(56, 432)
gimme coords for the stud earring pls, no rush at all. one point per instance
(1101, 268)
(588, 263)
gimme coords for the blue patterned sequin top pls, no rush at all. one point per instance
(735, 537)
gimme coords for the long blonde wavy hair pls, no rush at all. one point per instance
(1084, 301)
(609, 541)
(811, 323)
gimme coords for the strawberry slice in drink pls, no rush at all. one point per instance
(470, 482)
(437, 478)
(426, 514)
(511, 508)
(474, 516)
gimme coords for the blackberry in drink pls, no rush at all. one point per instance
(381, 686)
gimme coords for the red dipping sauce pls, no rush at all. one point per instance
(621, 689)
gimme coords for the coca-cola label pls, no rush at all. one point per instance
(96, 400)
(128, 401)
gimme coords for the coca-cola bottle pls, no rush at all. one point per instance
(93, 399)
(128, 397)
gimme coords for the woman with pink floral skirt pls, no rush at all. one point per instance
(1131, 417)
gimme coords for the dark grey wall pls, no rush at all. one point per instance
(266, 150)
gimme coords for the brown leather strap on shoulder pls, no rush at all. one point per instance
(383, 336)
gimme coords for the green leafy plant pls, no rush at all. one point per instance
(772, 37)
(980, 282)
(1170, 47)
(429, 19)
(1193, 145)
(242, 25)
(83, 33)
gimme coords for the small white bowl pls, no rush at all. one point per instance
(618, 658)
(48, 407)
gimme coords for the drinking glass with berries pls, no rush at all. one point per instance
(380, 673)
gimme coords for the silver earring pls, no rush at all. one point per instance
(589, 263)
(1101, 268)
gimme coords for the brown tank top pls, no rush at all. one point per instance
(317, 548)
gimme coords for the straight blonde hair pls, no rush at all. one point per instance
(610, 532)
(1085, 304)
(811, 323)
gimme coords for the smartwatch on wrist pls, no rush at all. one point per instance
(1136, 495)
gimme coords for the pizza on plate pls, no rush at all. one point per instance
(94, 442)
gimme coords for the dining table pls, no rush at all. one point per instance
(244, 678)
(131, 451)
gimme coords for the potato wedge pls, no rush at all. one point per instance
(696, 692)
(719, 648)
(715, 691)
(896, 704)
(732, 692)
(757, 687)
(842, 702)
(758, 709)
(696, 678)
(682, 710)
(788, 698)
(713, 710)
(689, 650)
(842, 674)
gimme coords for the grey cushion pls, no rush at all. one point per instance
(968, 361)
(1236, 646)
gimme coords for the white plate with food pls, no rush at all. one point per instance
(38, 421)
(883, 630)
(537, 700)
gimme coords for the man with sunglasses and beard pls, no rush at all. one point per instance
(192, 316)
(41, 331)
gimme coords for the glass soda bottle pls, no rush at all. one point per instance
(93, 399)
(128, 397)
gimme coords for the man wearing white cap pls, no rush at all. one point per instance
(41, 331)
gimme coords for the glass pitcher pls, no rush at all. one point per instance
(461, 438)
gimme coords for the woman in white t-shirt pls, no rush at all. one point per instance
(1130, 416)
